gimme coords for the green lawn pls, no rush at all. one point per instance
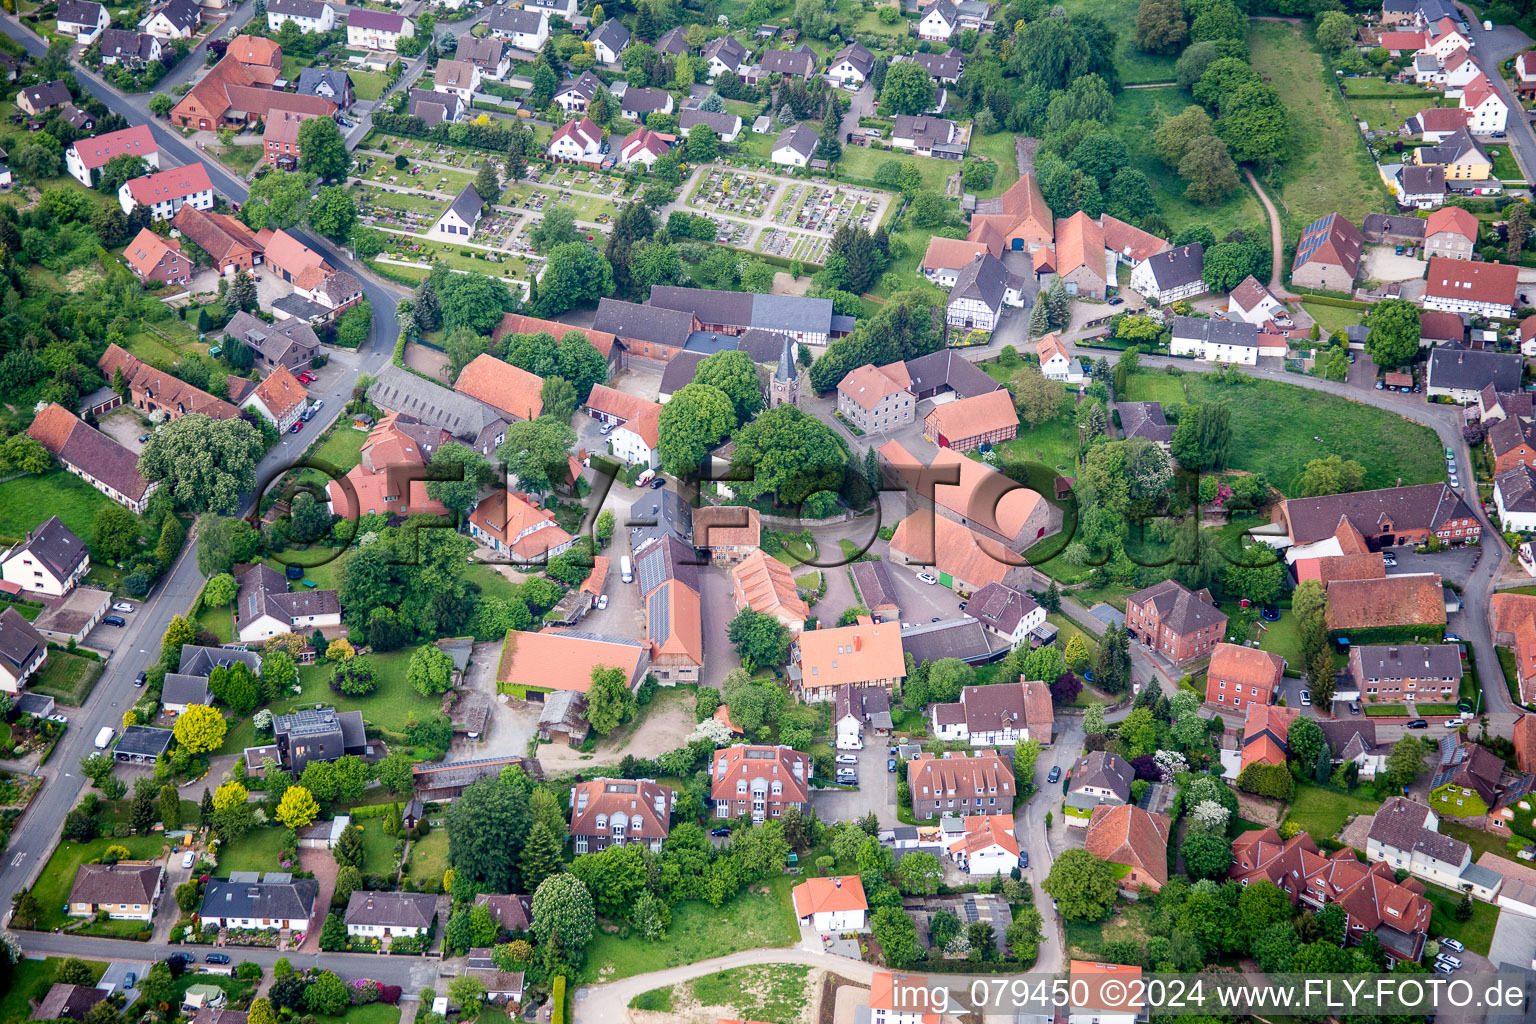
(1476, 934)
(1329, 170)
(1284, 638)
(1321, 813)
(219, 621)
(368, 85)
(1481, 842)
(1332, 318)
(766, 991)
(1274, 424)
(373, 1013)
(429, 858)
(860, 162)
(1504, 166)
(1052, 444)
(256, 852)
(31, 979)
(67, 678)
(1385, 106)
(53, 885)
(1155, 387)
(999, 148)
(699, 932)
(378, 849)
(240, 157)
(26, 501)
(341, 448)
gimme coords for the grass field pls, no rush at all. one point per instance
(1135, 67)
(761, 917)
(1284, 638)
(53, 885)
(1274, 424)
(256, 852)
(31, 979)
(1329, 169)
(1505, 168)
(429, 858)
(26, 501)
(241, 158)
(1137, 114)
(769, 991)
(378, 849)
(1386, 105)
(67, 678)
(859, 162)
(1000, 150)
(1321, 813)
(1476, 934)
(1332, 318)
(372, 1013)
(1155, 387)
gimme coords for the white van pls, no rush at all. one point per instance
(626, 570)
(104, 737)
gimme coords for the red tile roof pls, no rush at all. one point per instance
(96, 151)
(1472, 281)
(503, 386)
(829, 895)
(175, 183)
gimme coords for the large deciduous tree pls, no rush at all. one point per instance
(486, 827)
(1083, 884)
(205, 464)
(322, 150)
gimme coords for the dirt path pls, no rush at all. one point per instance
(1276, 239)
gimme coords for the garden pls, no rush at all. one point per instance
(58, 877)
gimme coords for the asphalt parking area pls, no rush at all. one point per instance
(876, 791)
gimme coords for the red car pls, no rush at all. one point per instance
(296, 427)
(306, 378)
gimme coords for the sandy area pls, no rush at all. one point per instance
(427, 360)
(124, 426)
(667, 724)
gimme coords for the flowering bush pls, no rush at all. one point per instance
(364, 991)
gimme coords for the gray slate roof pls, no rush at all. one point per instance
(984, 279)
(1104, 770)
(1422, 181)
(466, 418)
(287, 899)
(467, 204)
(1456, 367)
(143, 741)
(856, 54)
(184, 689)
(1517, 489)
(727, 49)
(334, 82)
(799, 62)
(1412, 661)
(667, 514)
(1220, 332)
(801, 138)
(644, 323)
(392, 909)
(20, 643)
(79, 12)
(672, 42)
(1144, 419)
(1000, 607)
(611, 34)
(513, 20)
(1176, 268)
(961, 638)
(876, 589)
(1400, 824)
(59, 551)
(200, 661)
(721, 123)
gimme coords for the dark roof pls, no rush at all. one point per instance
(680, 371)
(467, 204)
(1473, 370)
(1174, 268)
(118, 42)
(68, 1001)
(511, 20)
(961, 638)
(297, 8)
(672, 42)
(764, 346)
(870, 704)
(644, 323)
(1144, 419)
(1449, 149)
(709, 305)
(1419, 507)
(1423, 181)
(60, 551)
(1219, 332)
(612, 34)
(720, 122)
(801, 61)
(941, 65)
(1410, 661)
(801, 138)
(1469, 766)
(585, 86)
(200, 661)
(1179, 608)
(984, 279)
(434, 107)
(727, 50)
(466, 418)
(856, 54)
(79, 12)
(1400, 824)
(337, 81)
(1103, 770)
(287, 899)
(184, 689)
(792, 314)
(143, 741)
(1000, 607)
(666, 561)
(644, 101)
(659, 514)
(1517, 489)
(876, 589)
(48, 94)
(34, 704)
(264, 591)
(948, 369)
(1348, 738)
(275, 342)
(115, 883)
(184, 14)
(1379, 225)
(392, 909)
(20, 643)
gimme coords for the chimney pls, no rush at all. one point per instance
(837, 883)
(858, 641)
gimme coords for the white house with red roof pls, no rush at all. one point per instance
(1443, 40)
(989, 846)
(85, 158)
(166, 192)
(578, 141)
(635, 422)
(1459, 71)
(902, 999)
(642, 147)
(280, 398)
(835, 904)
(1466, 286)
(1525, 72)
(1487, 112)
(1055, 362)
(511, 525)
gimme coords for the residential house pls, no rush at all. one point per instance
(489, 55)
(280, 398)
(68, 1002)
(944, 67)
(642, 148)
(165, 192)
(578, 141)
(976, 783)
(668, 577)
(1462, 374)
(797, 63)
(1099, 779)
(724, 53)
(795, 146)
(939, 22)
(1171, 275)
(927, 136)
(1419, 188)
(672, 42)
(1239, 676)
(152, 258)
(271, 902)
(856, 706)
(946, 257)
(135, 50)
(834, 904)
(754, 318)
(982, 288)
(473, 422)
(1178, 623)
(237, 91)
(1486, 109)
(1404, 834)
(49, 561)
(727, 127)
(1406, 672)
(308, 15)
(609, 40)
(1456, 286)
(524, 28)
(458, 221)
(510, 524)
(264, 606)
(92, 456)
(85, 158)
(124, 891)
(287, 344)
(1215, 341)
(1450, 232)
(177, 19)
(1127, 836)
(658, 516)
(1328, 255)
(434, 108)
(635, 437)
(727, 534)
(152, 390)
(1082, 261)
(459, 77)
(1460, 157)
(851, 65)
(1394, 601)
(1055, 363)
(613, 812)
(1266, 735)
(1254, 304)
(767, 586)
(876, 399)
(510, 389)
(1144, 419)
(988, 848)
(575, 94)
(1466, 782)
(1311, 527)
(376, 30)
(280, 138)
(1354, 739)
(761, 780)
(317, 734)
(1525, 73)
(903, 999)
(971, 423)
(182, 691)
(1005, 612)
(1514, 493)
(1001, 714)
(228, 242)
(863, 654)
(82, 20)
(37, 100)
(390, 915)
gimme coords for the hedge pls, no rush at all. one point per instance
(1391, 635)
(1325, 299)
(557, 999)
(1267, 780)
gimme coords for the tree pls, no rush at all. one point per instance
(1517, 223)
(735, 375)
(563, 916)
(558, 227)
(760, 640)
(1206, 855)
(1037, 398)
(908, 89)
(487, 181)
(430, 671)
(919, 873)
(609, 700)
(1160, 26)
(541, 854)
(319, 778)
(276, 200)
(332, 212)
(236, 687)
(1083, 885)
(1178, 134)
(322, 150)
(467, 465)
(170, 807)
(829, 145)
(894, 930)
(1335, 31)
(696, 419)
(1392, 332)
(117, 531)
(486, 826)
(1406, 762)
(160, 104)
(703, 144)
(205, 464)
(297, 807)
(1333, 474)
(581, 363)
(241, 294)
(395, 772)
(575, 274)
(1228, 263)
(558, 399)
(200, 729)
(1209, 171)
(536, 452)
(220, 591)
(1203, 437)
(327, 994)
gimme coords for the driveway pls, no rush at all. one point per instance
(1382, 263)
(719, 609)
(876, 791)
(1514, 939)
(324, 866)
(1029, 827)
(1454, 564)
(124, 426)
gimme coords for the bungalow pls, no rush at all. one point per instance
(124, 891)
(247, 899)
(69, 1002)
(727, 127)
(164, 193)
(85, 158)
(1328, 255)
(264, 607)
(387, 915)
(37, 100)
(578, 141)
(1171, 275)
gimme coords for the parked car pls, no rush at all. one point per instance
(1443, 968)
(62, 720)
(1417, 723)
(143, 438)
(1055, 775)
(188, 859)
(1452, 944)
(658, 483)
(1354, 707)
(607, 429)
(122, 606)
(1306, 698)
(1446, 958)
(216, 958)
(114, 620)
(724, 830)
(1452, 638)
(140, 679)
(928, 578)
(1388, 558)
(847, 758)
(890, 764)
(1380, 385)
(298, 425)
(602, 601)
(1023, 858)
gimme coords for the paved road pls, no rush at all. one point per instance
(1491, 48)
(140, 645)
(1029, 828)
